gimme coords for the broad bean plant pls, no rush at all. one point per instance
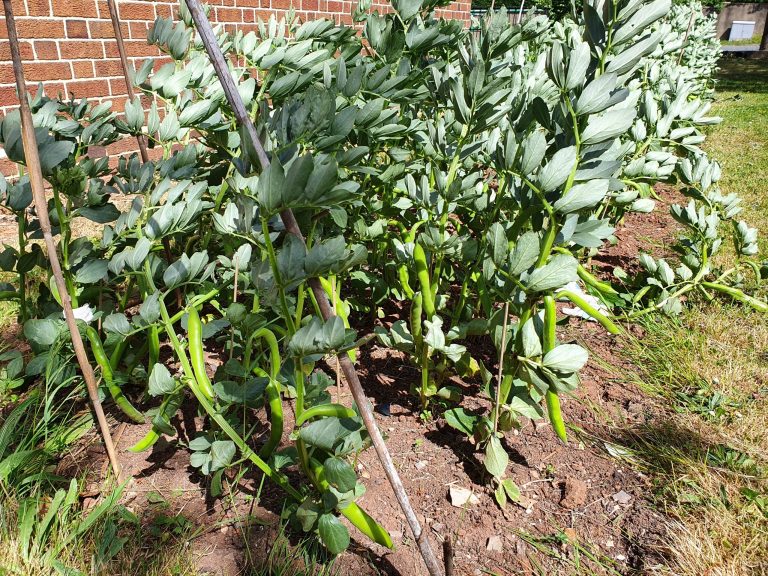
(463, 180)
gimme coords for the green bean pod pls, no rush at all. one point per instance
(196, 355)
(117, 353)
(275, 418)
(555, 416)
(361, 520)
(358, 517)
(106, 372)
(154, 346)
(737, 294)
(416, 327)
(422, 273)
(549, 342)
(325, 410)
(146, 442)
(339, 308)
(590, 280)
(405, 280)
(601, 318)
(640, 293)
(169, 405)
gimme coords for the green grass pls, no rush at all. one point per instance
(708, 454)
(746, 42)
(742, 75)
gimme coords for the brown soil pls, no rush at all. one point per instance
(577, 490)
(653, 233)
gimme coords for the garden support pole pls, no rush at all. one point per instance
(140, 138)
(29, 141)
(233, 96)
(127, 72)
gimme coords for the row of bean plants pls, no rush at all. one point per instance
(468, 179)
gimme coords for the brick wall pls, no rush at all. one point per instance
(69, 45)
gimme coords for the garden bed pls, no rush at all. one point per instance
(578, 501)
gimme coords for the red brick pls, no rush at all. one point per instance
(82, 8)
(39, 7)
(83, 69)
(229, 15)
(138, 30)
(163, 11)
(108, 68)
(25, 51)
(8, 96)
(136, 48)
(309, 4)
(104, 29)
(76, 28)
(46, 50)
(37, 71)
(38, 28)
(8, 169)
(137, 11)
(18, 7)
(88, 88)
(103, 8)
(80, 49)
(117, 85)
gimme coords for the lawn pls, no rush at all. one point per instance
(711, 367)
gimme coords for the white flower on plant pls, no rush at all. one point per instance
(591, 300)
(84, 313)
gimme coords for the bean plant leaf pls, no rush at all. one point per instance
(461, 420)
(560, 270)
(328, 433)
(160, 381)
(582, 196)
(43, 332)
(222, 452)
(525, 253)
(339, 474)
(333, 534)
(496, 458)
(117, 323)
(566, 358)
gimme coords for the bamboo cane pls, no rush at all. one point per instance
(685, 38)
(140, 138)
(41, 207)
(127, 72)
(233, 96)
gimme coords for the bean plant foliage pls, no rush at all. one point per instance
(468, 178)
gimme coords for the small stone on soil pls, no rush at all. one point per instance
(421, 464)
(460, 497)
(574, 493)
(494, 544)
(622, 497)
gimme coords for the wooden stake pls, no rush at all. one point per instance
(685, 38)
(289, 221)
(127, 72)
(41, 207)
(140, 138)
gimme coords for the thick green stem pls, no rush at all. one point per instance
(601, 318)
